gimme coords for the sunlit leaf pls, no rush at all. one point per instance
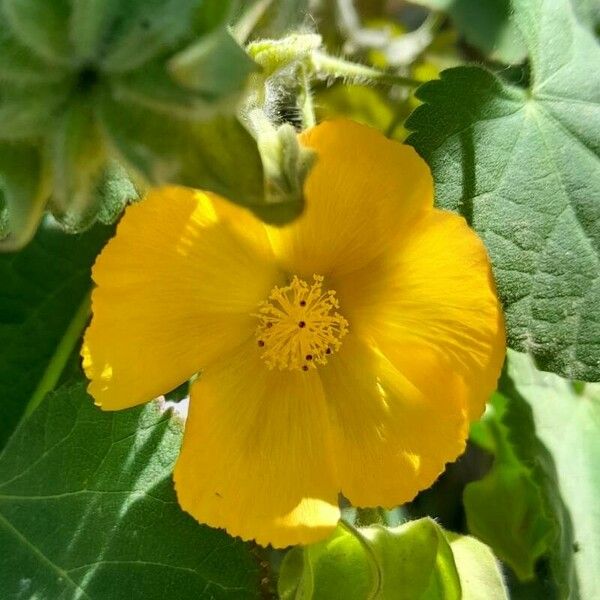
(478, 570)
(523, 167)
(88, 509)
(567, 420)
(589, 12)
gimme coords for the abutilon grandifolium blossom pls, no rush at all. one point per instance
(344, 353)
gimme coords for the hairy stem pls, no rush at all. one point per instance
(338, 67)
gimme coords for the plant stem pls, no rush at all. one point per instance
(338, 67)
(306, 102)
(61, 355)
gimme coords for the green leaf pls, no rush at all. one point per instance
(506, 508)
(217, 155)
(42, 26)
(143, 29)
(156, 87)
(102, 197)
(24, 189)
(20, 65)
(216, 65)
(517, 508)
(114, 190)
(523, 167)
(589, 12)
(486, 25)
(567, 420)
(43, 308)
(89, 26)
(416, 560)
(88, 510)
(169, 66)
(78, 158)
(26, 111)
(478, 569)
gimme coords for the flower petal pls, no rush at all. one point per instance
(392, 438)
(175, 289)
(363, 189)
(429, 305)
(256, 456)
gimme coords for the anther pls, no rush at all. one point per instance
(299, 326)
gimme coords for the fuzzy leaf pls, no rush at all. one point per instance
(166, 72)
(142, 29)
(216, 65)
(23, 193)
(78, 159)
(567, 421)
(589, 12)
(25, 111)
(154, 88)
(114, 190)
(20, 65)
(217, 155)
(89, 26)
(88, 509)
(478, 569)
(523, 167)
(42, 26)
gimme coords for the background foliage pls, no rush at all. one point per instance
(99, 100)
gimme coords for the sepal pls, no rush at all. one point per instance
(286, 164)
(417, 560)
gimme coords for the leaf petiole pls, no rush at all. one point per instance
(61, 356)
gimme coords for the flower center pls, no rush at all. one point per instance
(298, 327)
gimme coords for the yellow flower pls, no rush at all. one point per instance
(346, 352)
